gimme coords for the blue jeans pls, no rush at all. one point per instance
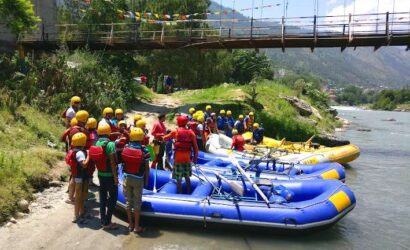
(108, 199)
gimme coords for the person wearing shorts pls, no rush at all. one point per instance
(184, 147)
(80, 175)
(136, 172)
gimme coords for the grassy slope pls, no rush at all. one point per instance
(279, 118)
(25, 159)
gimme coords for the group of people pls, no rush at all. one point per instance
(203, 123)
(111, 142)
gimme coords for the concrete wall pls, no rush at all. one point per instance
(46, 10)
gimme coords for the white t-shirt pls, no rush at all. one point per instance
(80, 156)
(200, 129)
(70, 114)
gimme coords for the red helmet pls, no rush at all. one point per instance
(182, 121)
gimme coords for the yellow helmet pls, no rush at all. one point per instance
(104, 129)
(256, 125)
(208, 107)
(201, 118)
(79, 140)
(222, 112)
(107, 110)
(121, 123)
(82, 116)
(136, 134)
(75, 100)
(137, 117)
(228, 112)
(192, 110)
(73, 122)
(234, 131)
(240, 116)
(119, 112)
(91, 123)
(250, 113)
(195, 116)
(141, 124)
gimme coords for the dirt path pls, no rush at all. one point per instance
(150, 111)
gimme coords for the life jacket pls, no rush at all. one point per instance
(210, 124)
(77, 171)
(240, 126)
(97, 154)
(249, 122)
(183, 141)
(133, 160)
(239, 143)
(258, 134)
(193, 125)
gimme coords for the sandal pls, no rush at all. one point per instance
(131, 227)
(72, 202)
(112, 226)
(139, 230)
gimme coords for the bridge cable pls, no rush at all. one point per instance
(261, 9)
(377, 18)
(392, 19)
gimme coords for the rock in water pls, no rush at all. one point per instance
(12, 220)
(23, 205)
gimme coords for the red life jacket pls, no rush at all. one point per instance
(183, 141)
(133, 159)
(77, 171)
(193, 125)
(97, 154)
(239, 143)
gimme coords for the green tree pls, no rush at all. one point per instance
(249, 64)
(18, 15)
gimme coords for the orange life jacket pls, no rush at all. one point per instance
(183, 141)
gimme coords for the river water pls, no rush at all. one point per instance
(380, 179)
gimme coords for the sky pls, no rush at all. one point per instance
(298, 8)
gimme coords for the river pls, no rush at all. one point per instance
(380, 179)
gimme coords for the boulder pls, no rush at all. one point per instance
(13, 220)
(332, 111)
(23, 205)
(303, 108)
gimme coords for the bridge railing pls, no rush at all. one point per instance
(348, 26)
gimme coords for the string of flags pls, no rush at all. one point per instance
(156, 17)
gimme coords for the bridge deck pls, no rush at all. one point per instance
(393, 29)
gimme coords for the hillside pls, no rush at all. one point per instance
(278, 116)
(387, 67)
(27, 162)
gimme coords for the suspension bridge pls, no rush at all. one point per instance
(352, 30)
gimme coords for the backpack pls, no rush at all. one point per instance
(97, 154)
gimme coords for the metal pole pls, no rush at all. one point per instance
(251, 28)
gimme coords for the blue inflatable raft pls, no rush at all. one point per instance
(271, 169)
(294, 205)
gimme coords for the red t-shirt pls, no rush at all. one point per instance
(158, 130)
